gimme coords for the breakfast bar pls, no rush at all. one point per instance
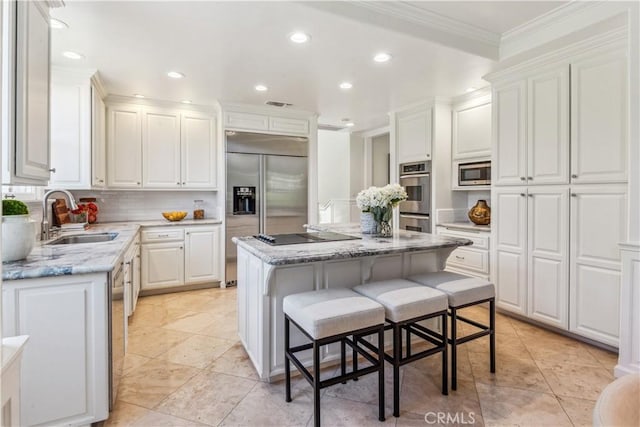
(267, 273)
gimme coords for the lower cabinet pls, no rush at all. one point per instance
(65, 362)
(173, 257)
(132, 275)
(556, 258)
(470, 260)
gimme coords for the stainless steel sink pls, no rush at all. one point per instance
(84, 238)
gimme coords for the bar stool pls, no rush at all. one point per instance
(327, 316)
(464, 291)
(405, 304)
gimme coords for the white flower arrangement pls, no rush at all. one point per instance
(380, 200)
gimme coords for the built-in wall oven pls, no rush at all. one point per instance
(415, 212)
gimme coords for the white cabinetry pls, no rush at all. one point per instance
(471, 260)
(262, 122)
(471, 125)
(25, 58)
(132, 275)
(161, 149)
(414, 134)
(598, 219)
(124, 146)
(198, 150)
(77, 131)
(173, 257)
(509, 134)
(65, 364)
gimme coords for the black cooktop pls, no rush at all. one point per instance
(296, 238)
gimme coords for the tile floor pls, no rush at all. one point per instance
(186, 367)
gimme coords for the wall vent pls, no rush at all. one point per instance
(278, 104)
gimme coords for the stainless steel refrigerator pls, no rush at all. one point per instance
(266, 188)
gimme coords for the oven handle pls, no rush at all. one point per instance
(417, 175)
(424, 216)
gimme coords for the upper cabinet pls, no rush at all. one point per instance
(471, 128)
(26, 44)
(414, 134)
(77, 130)
(160, 148)
(236, 120)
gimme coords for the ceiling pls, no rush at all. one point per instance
(226, 48)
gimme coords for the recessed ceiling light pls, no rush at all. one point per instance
(175, 75)
(137, 95)
(382, 57)
(471, 89)
(72, 55)
(261, 88)
(349, 124)
(345, 85)
(57, 24)
(299, 37)
(186, 101)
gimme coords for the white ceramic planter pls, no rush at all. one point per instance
(18, 237)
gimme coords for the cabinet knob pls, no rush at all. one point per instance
(52, 170)
(574, 195)
(530, 195)
(522, 194)
(183, 183)
(180, 247)
(177, 183)
(428, 155)
(530, 178)
(522, 178)
(138, 183)
(574, 176)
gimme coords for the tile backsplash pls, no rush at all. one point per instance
(148, 205)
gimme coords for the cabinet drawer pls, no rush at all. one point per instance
(163, 234)
(281, 124)
(469, 259)
(480, 240)
(246, 121)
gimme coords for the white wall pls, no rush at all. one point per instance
(333, 165)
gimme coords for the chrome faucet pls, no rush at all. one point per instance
(45, 214)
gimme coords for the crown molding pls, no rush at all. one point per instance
(559, 22)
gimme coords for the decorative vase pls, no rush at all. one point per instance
(368, 223)
(385, 229)
(18, 237)
(480, 213)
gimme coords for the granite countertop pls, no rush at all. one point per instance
(57, 260)
(367, 245)
(465, 225)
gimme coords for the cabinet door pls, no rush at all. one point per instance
(414, 134)
(548, 128)
(472, 129)
(509, 125)
(162, 265)
(289, 125)
(509, 248)
(161, 149)
(598, 224)
(599, 97)
(98, 140)
(70, 132)
(66, 320)
(32, 92)
(124, 146)
(548, 257)
(198, 151)
(202, 253)
(246, 121)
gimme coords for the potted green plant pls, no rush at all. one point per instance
(18, 230)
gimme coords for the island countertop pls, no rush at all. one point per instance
(366, 245)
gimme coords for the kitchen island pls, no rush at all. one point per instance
(266, 274)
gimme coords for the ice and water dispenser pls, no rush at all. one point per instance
(244, 200)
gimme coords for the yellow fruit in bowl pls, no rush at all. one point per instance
(174, 215)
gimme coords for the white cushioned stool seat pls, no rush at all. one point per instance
(404, 300)
(329, 312)
(461, 289)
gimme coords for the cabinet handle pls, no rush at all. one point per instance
(52, 170)
(127, 263)
(188, 233)
(459, 257)
(522, 178)
(180, 247)
(138, 183)
(530, 178)
(574, 176)
(574, 195)
(163, 235)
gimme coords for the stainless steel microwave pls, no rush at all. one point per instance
(476, 173)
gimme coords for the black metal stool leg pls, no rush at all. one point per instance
(492, 335)
(287, 363)
(355, 356)
(397, 354)
(381, 374)
(445, 356)
(454, 350)
(408, 338)
(343, 357)
(316, 384)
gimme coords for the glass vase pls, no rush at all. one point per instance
(385, 229)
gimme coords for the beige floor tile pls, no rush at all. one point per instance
(234, 361)
(583, 382)
(152, 382)
(509, 406)
(197, 351)
(274, 410)
(440, 419)
(125, 414)
(207, 398)
(153, 341)
(133, 361)
(223, 327)
(580, 411)
(505, 344)
(150, 315)
(561, 351)
(160, 299)
(432, 365)
(191, 323)
(511, 371)
(156, 419)
(341, 412)
(607, 359)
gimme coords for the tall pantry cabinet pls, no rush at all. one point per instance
(559, 195)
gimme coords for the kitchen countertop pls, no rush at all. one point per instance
(57, 260)
(467, 225)
(368, 245)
